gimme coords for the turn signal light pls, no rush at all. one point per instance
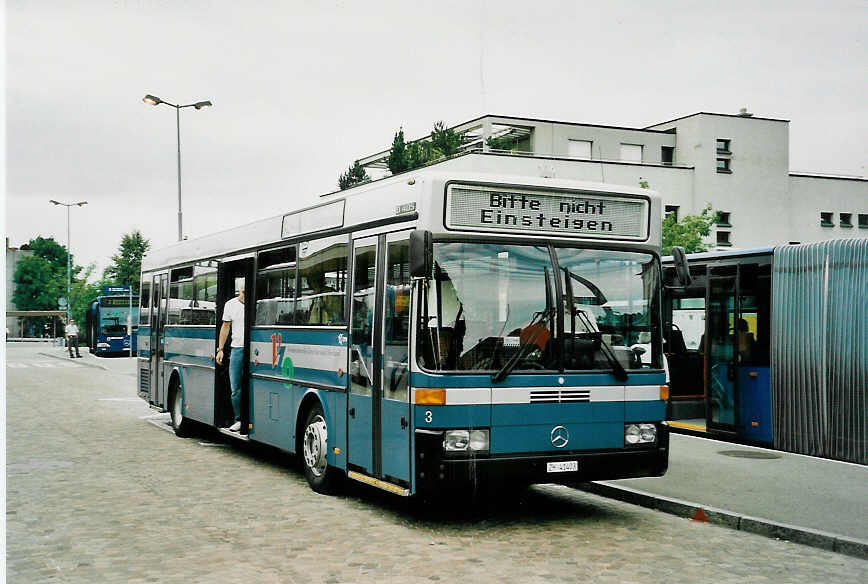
(431, 397)
(664, 392)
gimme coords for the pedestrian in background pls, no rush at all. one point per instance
(72, 338)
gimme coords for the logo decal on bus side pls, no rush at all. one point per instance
(279, 356)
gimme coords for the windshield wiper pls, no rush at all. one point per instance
(510, 365)
(548, 313)
(617, 369)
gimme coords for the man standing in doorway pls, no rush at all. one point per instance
(72, 338)
(233, 319)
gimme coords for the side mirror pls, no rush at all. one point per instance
(682, 271)
(421, 254)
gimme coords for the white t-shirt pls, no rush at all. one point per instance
(72, 330)
(233, 311)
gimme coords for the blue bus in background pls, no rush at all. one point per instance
(770, 347)
(106, 323)
(470, 322)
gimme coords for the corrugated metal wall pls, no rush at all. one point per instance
(820, 349)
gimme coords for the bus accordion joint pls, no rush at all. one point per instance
(664, 392)
(431, 397)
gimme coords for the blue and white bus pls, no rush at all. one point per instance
(468, 321)
(107, 322)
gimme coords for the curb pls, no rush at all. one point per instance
(766, 527)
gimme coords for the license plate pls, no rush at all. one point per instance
(566, 466)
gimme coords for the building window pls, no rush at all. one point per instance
(863, 220)
(723, 146)
(846, 219)
(631, 152)
(723, 239)
(667, 154)
(671, 210)
(826, 220)
(723, 219)
(579, 148)
(723, 166)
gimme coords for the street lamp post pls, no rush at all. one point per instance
(68, 251)
(154, 100)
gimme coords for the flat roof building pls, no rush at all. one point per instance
(737, 163)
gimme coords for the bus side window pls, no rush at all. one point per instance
(180, 295)
(145, 298)
(204, 304)
(275, 287)
(322, 281)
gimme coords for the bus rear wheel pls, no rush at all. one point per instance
(180, 424)
(314, 450)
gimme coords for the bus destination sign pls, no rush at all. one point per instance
(563, 213)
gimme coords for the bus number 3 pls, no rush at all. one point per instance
(428, 416)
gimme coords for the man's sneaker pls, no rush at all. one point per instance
(235, 427)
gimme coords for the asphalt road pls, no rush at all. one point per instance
(98, 491)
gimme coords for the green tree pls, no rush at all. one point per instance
(446, 141)
(37, 285)
(83, 293)
(688, 231)
(354, 175)
(420, 153)
(397, 161)
(126, 267)
(40, 279)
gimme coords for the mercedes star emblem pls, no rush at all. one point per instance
(560, 436)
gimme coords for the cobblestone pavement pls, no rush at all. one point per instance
(96, 492)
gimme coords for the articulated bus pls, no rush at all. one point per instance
(770, 346)
(463, 323)
(106, 324)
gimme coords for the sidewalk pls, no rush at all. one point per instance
(121, 365)
(815, 501)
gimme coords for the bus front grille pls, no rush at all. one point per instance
(557, 396)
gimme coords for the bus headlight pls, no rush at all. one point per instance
(465, 440)
(639, 434)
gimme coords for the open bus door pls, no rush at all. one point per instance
(378, 402)
(231, 276)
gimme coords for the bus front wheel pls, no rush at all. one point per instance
(314, 449)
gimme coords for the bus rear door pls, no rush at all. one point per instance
(159, 315)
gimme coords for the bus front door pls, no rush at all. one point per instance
(378, 401)
(160, 286)
(363, 407)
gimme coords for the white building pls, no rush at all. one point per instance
(737, 163)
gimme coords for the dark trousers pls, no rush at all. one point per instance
(72, 341)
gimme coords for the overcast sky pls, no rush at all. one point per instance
(301, 89)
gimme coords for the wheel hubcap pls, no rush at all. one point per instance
(315, 445)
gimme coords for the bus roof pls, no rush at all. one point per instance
(399, 199)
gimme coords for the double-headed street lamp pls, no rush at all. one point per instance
(154, 100)
(68, 251)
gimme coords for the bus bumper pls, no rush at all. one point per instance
(436, 472)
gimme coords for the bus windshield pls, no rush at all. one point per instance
(496, 307)
(113, 321)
